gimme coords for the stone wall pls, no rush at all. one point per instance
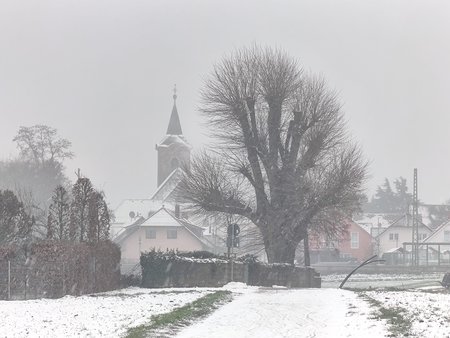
(283, 275)
(210, 273)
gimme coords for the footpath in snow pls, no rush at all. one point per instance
(290, 313)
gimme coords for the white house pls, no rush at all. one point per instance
(162, 230)
(399, 232)
(438, 245)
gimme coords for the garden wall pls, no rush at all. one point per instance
(170, 270)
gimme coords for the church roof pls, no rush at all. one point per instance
(174, 127)
(167, 187)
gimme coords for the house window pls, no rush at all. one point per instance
(171, 234)
(354, 240)
(446, 236)
(393, 237)
(150, 233)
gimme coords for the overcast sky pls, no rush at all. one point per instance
(102, 73)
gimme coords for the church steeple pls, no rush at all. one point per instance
(173, 150)
(174, 127)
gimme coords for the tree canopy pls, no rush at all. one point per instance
(388, 200)
(39, 168)
(282, 156)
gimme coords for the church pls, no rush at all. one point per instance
(159, 221)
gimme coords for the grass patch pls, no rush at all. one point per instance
(399, 323)
(164, 325)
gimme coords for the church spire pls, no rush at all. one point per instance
(174, 123)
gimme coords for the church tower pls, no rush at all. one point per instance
(173, 150)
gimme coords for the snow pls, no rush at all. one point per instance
(429, 312)
(267, 312)
(101, 315)
(365, 281)
(254, 312)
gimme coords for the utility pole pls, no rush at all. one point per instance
(415, 223)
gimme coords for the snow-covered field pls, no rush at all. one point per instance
(254, 312)
(106, 314)
(365, 281)
(429, 312)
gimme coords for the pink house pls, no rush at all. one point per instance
(357, 243)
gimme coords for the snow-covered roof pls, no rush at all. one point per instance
(435, 232)
(164, 218)
(369, 221)
(168, 186)
(161, 218)
(173, 140)
(399, 249)
(138, 207)
(404, 221)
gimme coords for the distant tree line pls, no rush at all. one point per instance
(81, 215)
(36, 199)
(388, 200)
(398, 200)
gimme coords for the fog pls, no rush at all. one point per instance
(102, 73)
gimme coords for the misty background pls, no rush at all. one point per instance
(102, 74)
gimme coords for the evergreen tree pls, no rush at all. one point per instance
(82, 192)
(99, 218)
(15, 224)
(402, 198)
(387, 200)
(59, 215)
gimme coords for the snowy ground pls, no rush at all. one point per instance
(365, 281)
(102, 315)
(428, 312)
(290, 313)
(254, 312)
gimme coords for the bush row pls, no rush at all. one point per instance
(54, 269)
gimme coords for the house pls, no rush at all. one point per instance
(397, 233)
(163, 230)
(376, 223)
(441, 234)
(356, 244)
(437, 245)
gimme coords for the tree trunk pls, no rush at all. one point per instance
(306, 251)
(280, 251)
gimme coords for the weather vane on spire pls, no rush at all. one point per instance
(175, 92)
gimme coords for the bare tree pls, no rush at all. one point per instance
(282, 157)
(41, 144)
